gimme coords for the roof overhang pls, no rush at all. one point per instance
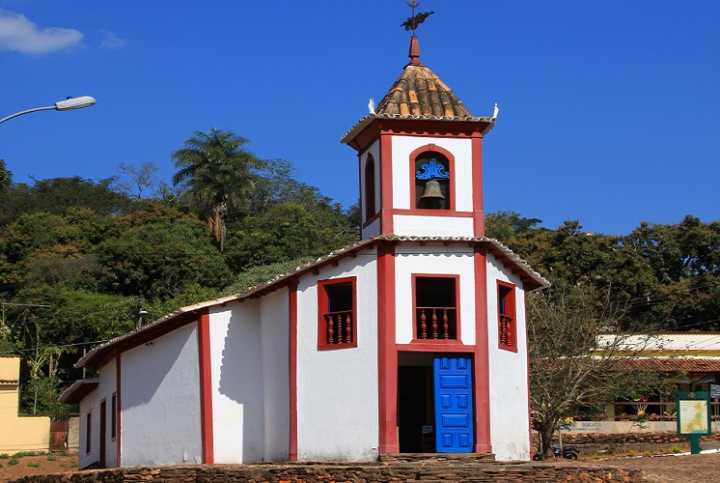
(99, 355)
(368, 127)
(74, 393)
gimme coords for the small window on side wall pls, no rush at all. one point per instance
(337, 313)
(88, 433)
(113, 416)
(369, 187)
(507, 321)
(432, 182)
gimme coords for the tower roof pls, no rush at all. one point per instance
(420, 92)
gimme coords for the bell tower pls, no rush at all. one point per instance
(420, 158)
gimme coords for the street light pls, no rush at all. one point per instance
(65, 105)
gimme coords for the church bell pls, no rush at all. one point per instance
(432, 191)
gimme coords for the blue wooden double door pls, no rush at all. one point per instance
(453, 401)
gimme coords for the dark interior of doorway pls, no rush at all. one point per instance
(416, 411)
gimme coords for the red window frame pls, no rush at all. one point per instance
(323, 304)
(451, 181)
(507, 320)
(113, 416)
(458, 324)
(369, 191)
(88, 432)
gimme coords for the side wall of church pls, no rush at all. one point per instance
(509, 410)
(160, 405)
(337, 390)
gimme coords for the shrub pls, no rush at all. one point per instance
(13, 462)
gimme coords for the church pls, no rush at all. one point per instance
(411, 340)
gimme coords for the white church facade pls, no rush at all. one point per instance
(412, 340)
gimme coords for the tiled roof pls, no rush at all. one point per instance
(419, 92)
(529, 276)
(671, 364)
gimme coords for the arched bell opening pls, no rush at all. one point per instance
(432, 181)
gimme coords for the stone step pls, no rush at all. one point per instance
(436, 458)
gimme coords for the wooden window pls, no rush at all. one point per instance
(507, 322)
(88, 432)
(369, 187)
(337, 313)
(432, 173)
(113, 415)
(436, 302)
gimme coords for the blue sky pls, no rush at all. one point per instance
(609, 110)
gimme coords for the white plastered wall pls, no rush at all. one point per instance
(412, 225)
(91, 403)
(509, 418)
(250, 385)
(337, 390)
(434, 259)
(374, 150)
(461, 149)
(161, 400)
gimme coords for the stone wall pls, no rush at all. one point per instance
(371, 472)
(629, 438)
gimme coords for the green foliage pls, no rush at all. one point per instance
(13, 462)
(161, 258)
(263, 273)
(5, 177)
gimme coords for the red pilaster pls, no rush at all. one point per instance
(118, 408)
(482, 370)
(206, 411)
(477, 184)
(387, 352)
(292, 361)
(386, 182)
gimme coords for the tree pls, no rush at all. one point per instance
(218, 175)
(569, 368)
(141, 177)
(5, 177)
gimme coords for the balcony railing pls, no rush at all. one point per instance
(436, 322)
(505, 330)
(339, 327)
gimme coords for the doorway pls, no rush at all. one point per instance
(435, 410)
(416, 412)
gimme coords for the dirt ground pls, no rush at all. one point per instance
(15, 467)
(669, 469)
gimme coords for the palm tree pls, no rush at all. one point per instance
(217, 175)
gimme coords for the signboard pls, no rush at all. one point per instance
(715, 391)
(693, 416)
(693, 410)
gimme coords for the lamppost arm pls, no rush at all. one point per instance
(26, 111)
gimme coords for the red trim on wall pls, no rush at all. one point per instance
(512, 312)
(292, 361)
(458, 320)
(434, 148)
(477, 186)
(482, 363)
(387, 352)
(430, 212)
(322, 343)
(206, 411)
(442, 346)
(118, 416)
(386, 181)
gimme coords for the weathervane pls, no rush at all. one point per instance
(414, 21)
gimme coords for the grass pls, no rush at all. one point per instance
(4, 456)
(13, 462)
(33, 465)
(51, 458)
(23, 454)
